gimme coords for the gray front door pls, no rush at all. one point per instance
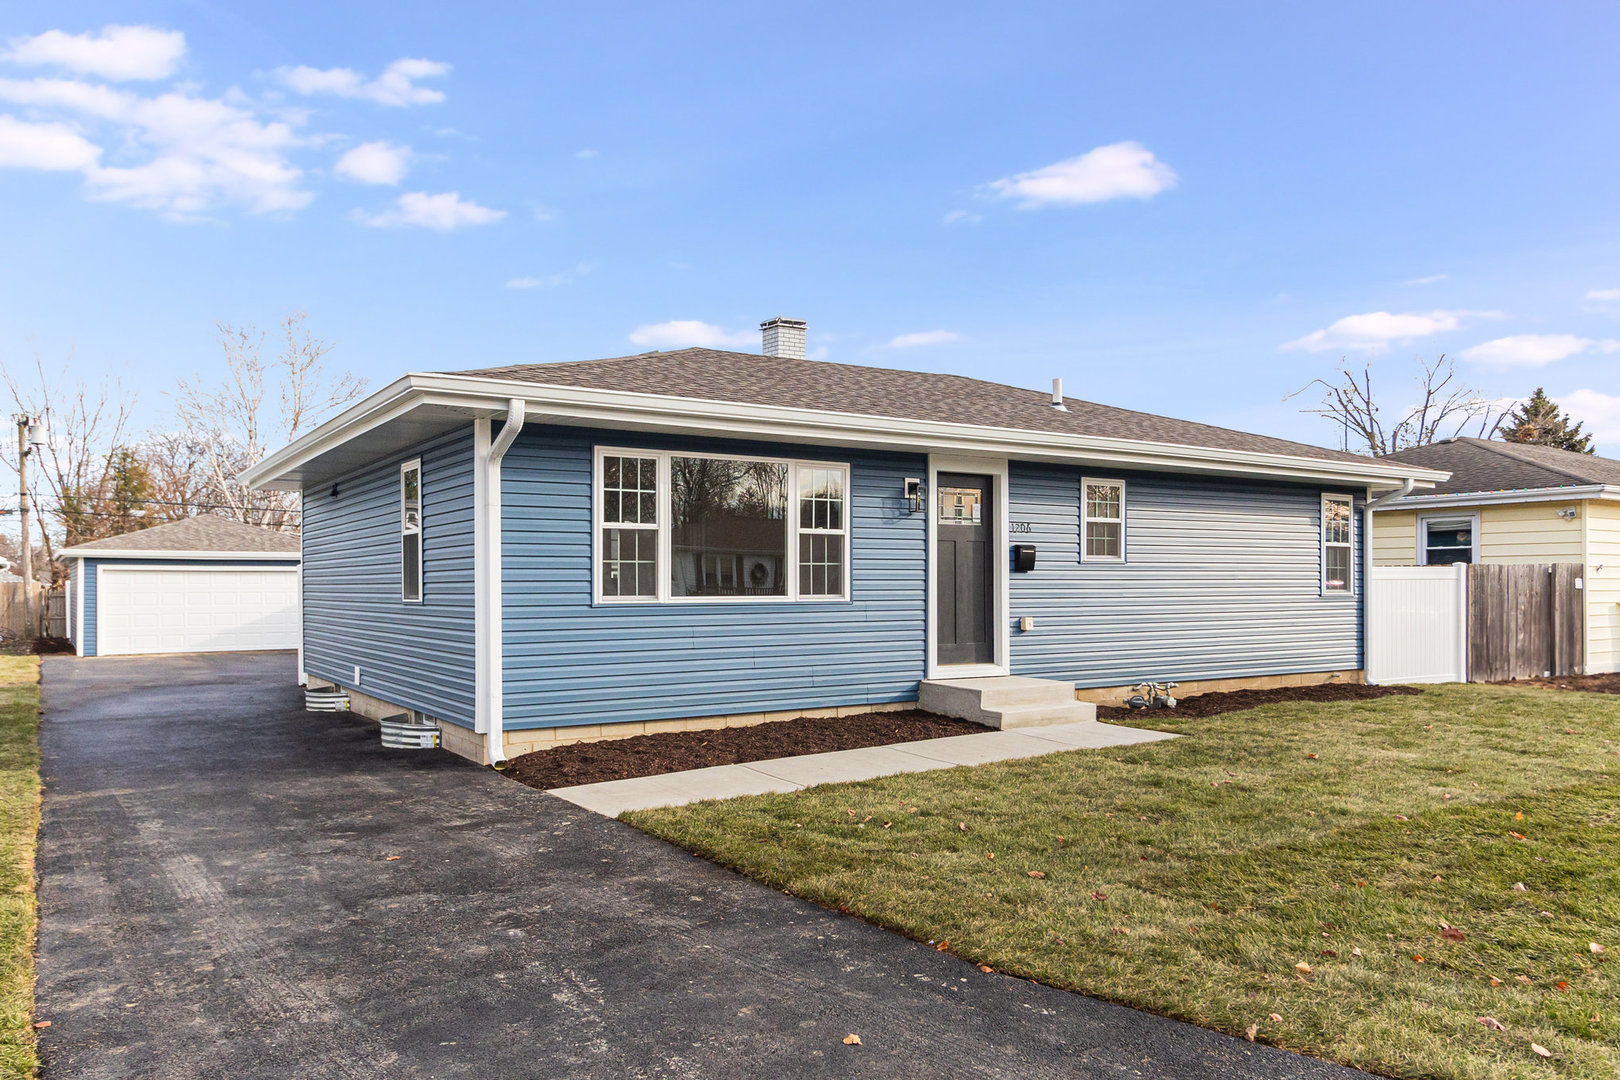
(965, 606)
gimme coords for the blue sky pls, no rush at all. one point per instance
(1183, 208)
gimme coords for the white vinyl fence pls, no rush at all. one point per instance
(1417, 624)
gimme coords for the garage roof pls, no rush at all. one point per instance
(207, 537)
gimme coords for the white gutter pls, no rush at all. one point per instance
(489, 674)
(636, 411)
(83, 552)
(1525, 495)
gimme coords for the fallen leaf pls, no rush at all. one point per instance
(1122, 930)
(42, 1023)
(1059, 941)
(1437, 877)
(986, 968)
(1254, 1029)
(1524, 978)
(1419, 960)
(942, 946)
(1428, 727)
(1274, 1018)
(989, 854)
(1569, 731)
(1516, 835)
(865, 819)
(852, 1040)
(886, 824)
(1327, 952)
(1539, 1049)
(1451, 933)
(1495, 981)
(1037, 874)
(392, 858)
(1356, 951)
(851, 813)
(1519, 886)
(1312, 756)
(1519, 816)
(1402, 817)
(1493, 1023)
(1303, 968)
(962, 825)
(1561, 986)
(1596, 949)
(1063, 839)
(1099, 896)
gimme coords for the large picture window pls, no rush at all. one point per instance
(692, 527)
(410, 531)
(1102, 520)
(1338, 544)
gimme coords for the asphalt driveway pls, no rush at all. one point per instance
(233, 887)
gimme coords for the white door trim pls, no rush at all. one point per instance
(996, 469)
(101, 591)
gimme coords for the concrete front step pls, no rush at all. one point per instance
(1005, 701)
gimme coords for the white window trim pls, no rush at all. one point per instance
(666, 541)
(1322, 542)
(1423, 533)
(1086, 520)
(421, 546)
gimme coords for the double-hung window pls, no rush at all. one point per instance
(1102, 520)
(679, 526)
(1444, 541)
(410, 531)
(1338, 541)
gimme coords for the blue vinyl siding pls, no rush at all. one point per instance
(1222, 580)
(89, 583)
(569, 662)
(416, 655)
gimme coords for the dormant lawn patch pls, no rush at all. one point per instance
(19, 821)
(1419, 886)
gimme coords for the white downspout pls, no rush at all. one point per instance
(1367, 567)
(487, 565)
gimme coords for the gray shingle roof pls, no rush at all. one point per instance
(206, 533)
(1489, 465)
(752, 379)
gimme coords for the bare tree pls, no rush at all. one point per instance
(1444, 407)
(260, 405)
(86, 426)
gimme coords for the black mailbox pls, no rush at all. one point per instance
(1023, 559)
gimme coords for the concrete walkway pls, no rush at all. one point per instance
(613, 797)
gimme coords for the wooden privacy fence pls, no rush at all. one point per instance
(1525, 620)
(11, 608)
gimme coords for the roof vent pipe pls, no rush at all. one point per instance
(783, 337)
(1057, 395)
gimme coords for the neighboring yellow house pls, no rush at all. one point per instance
(1516, 503)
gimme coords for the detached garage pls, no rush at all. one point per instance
(205, 584)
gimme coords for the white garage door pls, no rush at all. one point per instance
(195, 610)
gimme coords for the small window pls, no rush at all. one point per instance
(410, 531)
(1446, 541)
(1102, 524)
(629, 526)
(1338, 531)
(822, 532)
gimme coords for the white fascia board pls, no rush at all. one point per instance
(187, 556)
(622, 409)
(1497, 498)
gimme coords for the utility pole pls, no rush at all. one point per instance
(23, 422)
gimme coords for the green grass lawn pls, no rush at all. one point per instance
(19, 821)
(1190, 877)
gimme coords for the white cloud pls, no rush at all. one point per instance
(1608, 296)
(550, 281)
(681, 333)
(1117, 171)
(444, 212)
(922, 337)
(1376, 330)
(396, 86)
(962, 217)
(1600, 413)
(1429, 280)
(89, 99)
(1532, 350)
(117, 53)
(375, 163)
(54, 147)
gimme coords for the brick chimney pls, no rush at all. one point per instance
(783, 337)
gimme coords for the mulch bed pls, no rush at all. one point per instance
(1211, 704)
(677, 751)
(1591, 684)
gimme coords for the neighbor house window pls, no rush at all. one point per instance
(1102, 520)
(1338, 525)
(1444, 541)
(629, 514)
(688, 526)
(410, 530)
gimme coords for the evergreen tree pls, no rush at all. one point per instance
(1539, 421)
